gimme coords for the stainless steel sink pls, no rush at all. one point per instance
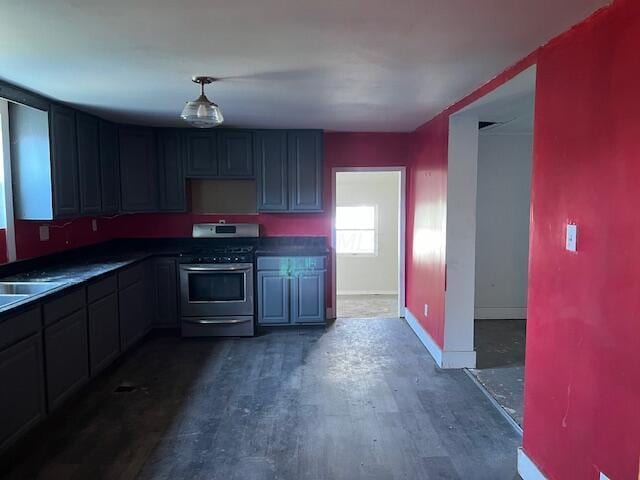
(26, 288)
(7, 299)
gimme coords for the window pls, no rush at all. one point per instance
(356, 230)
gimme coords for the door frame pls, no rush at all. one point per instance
(402, 234)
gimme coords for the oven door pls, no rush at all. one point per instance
(216, 290)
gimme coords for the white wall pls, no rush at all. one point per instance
(371, 274)
(502, 235)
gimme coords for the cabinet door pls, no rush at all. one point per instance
(201, 152)
(66, 357)
(64, 161)
(89, 163)
(273, 298)
(235, 154)
(138, 172)
(133, 302)
(305, 170)
(170, 171)
(166, 293)
(104, 334)
(22, 403)
(270, 151)
(110, 176)
(308, 297)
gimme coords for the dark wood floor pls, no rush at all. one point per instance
(361, 400)
(500, 349)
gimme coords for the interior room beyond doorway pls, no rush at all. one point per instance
(367, 243)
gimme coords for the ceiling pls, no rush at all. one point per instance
(345, 65)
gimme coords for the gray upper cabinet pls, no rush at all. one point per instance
(109, 174)
(201, 153)
(22, 403)
(171, 170)
(88, 141)
(235, 156)
(305, 170)
(270, 151)
(138, 170)
(64, 161)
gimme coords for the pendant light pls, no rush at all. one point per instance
(201, 112)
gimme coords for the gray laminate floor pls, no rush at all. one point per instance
(367, 306)
(500, 349)
(359, 400)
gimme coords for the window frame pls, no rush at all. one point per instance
(374, 230)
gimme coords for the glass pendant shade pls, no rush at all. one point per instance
(202, 113)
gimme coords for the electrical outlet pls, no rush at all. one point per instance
(426, 310)
(94, 225)
(44, 232)
(572, 237)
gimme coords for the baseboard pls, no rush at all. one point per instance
(443, 358)
(463, 359)
(429, 343)
(347, 293)
(527, 469)
(500, 313)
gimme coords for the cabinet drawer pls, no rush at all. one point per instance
(131, 275)
(101, 288)
(284, 264)
(63, 306)
(19, 326)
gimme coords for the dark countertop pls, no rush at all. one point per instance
(78, 266)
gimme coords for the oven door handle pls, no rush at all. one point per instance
(221, 267)
(204, 321)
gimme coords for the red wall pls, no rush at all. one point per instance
(582, 391)
(426, 233)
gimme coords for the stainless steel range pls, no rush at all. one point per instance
(216, 283)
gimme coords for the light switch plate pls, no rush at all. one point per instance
(572, 237)
(94, 225)
(44, 232)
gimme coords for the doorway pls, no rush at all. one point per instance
(489, 184)
(368, 242)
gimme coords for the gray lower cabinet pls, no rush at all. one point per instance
(273, 298)
(166, 292)
(308, 297)
(291, 290)
(22, 402)
(135, 303)
(104, 332)
(66, 356)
